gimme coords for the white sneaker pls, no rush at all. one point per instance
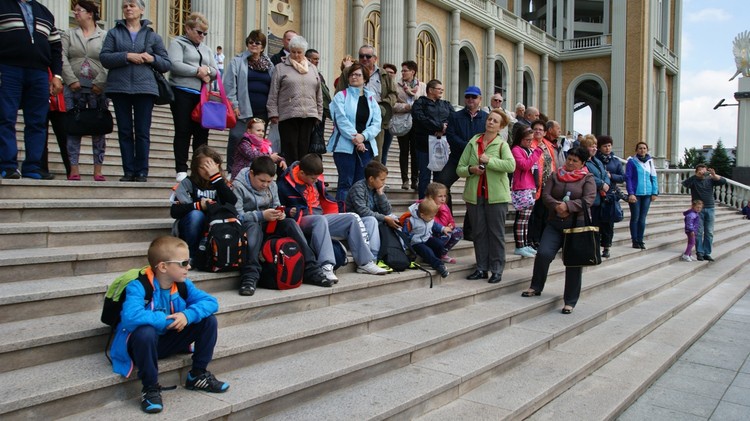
(181, 176)
(328, 271)
(531, 250)
(372, 269)
(686, 258)
(523, 251)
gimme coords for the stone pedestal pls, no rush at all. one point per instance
(741, 173)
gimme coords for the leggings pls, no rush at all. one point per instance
(521, 227)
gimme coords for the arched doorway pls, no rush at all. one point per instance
(528, 89)
(588, 107)
(501, 79)
(464, 71)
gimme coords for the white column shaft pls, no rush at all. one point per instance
(519, 74)
(392, 31)
(411, 30)
(455, 40)
(316, 28)
(489, 83)
(215, 12)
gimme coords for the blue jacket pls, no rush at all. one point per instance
(344, 116)
(417, 229)
(641, 177)
(614, 166)
(136, 312)
(292, 196)
(596, 168)
(461, 128)
(125, 77)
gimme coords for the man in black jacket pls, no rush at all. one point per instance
(30, 45)
(288, 35)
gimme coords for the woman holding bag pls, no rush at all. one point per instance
(193, 65)
(485, 163)
(566, 193)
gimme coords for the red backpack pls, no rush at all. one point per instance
(282, 263)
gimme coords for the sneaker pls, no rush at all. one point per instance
(700, 257)
(381, 264)
(328, 272)
(181, 176)
(141, 179)
(443, 271)
(38, 175)
(151, 399)
(686, 258)
(127, 178)
(206, 382)
(531, 250)
(708, 258)
(248, 286)
(315, 276)
(10, 174)
(371, 268)
(405, 185)
(523, 252)
(448, 259)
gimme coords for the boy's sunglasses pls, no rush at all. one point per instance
(182, 263)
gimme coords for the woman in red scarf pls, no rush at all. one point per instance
(564, 195)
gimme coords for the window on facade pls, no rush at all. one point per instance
(372, 30)
(179, 10)
(426, 57)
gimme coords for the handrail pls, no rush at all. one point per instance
(731, 194)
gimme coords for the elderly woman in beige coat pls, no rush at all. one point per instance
(295, 101)
(84, 78)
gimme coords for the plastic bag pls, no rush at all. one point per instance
(439, 152)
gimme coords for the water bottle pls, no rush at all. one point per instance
(567, 197)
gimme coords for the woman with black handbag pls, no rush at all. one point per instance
(616, 175)
(568, 192)
(85, 79)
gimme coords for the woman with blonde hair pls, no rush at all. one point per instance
(193, 65)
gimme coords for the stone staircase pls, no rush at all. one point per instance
(368, 348)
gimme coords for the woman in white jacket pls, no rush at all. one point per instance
(356, 121)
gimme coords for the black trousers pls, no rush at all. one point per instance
(295, 137)
(185, 128)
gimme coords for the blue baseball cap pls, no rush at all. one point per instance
(473, 90)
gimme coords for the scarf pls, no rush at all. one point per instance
(262, 145)
(604, 158)
(301, 68)
(643, 158)
(571, 176)
(410, 88)
(261, 64)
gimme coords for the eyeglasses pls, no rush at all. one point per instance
(471, 97)
(77, 10)
(254, 43)
(201, 33)
(497, 100)
(366, 56)
(356, 74)
(182, 263)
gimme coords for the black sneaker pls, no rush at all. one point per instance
(206, 382)
(315, 276)
(127, 178)
(443, 271)
(141, 179)
(708, 258)
(10, 174)
(151, 399)
(38, 175)
(247, 286)
(700, 257)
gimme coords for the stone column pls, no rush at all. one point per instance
(61, 11)
(392, 32)
(215, 12)
(316, 28)
(661, 119)
(357, 27)
(617, 75)
(454, 97)
(518, 95)
(742, 172)
(411, 30)
(489, 83)
(544, 89)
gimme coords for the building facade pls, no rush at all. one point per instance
(619, 58)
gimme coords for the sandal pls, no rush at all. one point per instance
(530, 293)
(567, 310)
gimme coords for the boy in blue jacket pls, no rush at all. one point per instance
(419, 225)
(166, 325)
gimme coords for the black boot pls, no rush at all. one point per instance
(247, 285)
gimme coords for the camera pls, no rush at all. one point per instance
(482, 167)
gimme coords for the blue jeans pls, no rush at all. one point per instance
(351, 168)
(638, 213)
(705, 236)
(133, 114)
(425, 175)
(191, 228)
(27, 89)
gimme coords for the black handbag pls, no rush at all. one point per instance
(581, 244)
(89, 121)
(317, 143)
(166, 95)
(611, 211)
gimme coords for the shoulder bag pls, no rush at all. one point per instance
(581, 244)
(166, 95)
(214, 111)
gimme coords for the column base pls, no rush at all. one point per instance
(741, 175)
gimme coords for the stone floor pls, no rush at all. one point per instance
(711, 381)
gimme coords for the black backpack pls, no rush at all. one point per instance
(225, 243)
(391, 249)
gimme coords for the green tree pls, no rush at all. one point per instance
(720, 161)
(691, 158)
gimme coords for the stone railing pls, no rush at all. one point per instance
(585, 42)
(731, 194)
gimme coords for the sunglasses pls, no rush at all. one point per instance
(182, 263)
(254, 43)
(201, 33)
(366, 56)
(471, 97)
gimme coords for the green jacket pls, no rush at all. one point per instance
(501, 163)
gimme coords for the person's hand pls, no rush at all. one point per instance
(474, 169)
(562, 210)
(347, 63)
(205, 202)
(274, 120)
(447, 230)
(605, 187)
(75, 86)
(55, 86)
(361, 147)
(211, 167)
(272, 214)
(275, 157)
(484, 159)
(147, 58)
(97, 90)
(282, 165)
(653, 197)
(135, 58)
(381, 190)
(392, 222)
(632, 198)
(179, 323)
(358, 138)
(237, 112)
(292, 212)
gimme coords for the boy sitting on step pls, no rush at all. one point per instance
(258, 206)
(166, 325)
(419, 224)
(302, 192)
(439, 194)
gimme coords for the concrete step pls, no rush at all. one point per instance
(383, 312)
(20, 210)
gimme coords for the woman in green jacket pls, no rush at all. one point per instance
(485, 163)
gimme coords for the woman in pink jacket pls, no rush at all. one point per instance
(523, 188)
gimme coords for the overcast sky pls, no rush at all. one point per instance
(707, 63)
